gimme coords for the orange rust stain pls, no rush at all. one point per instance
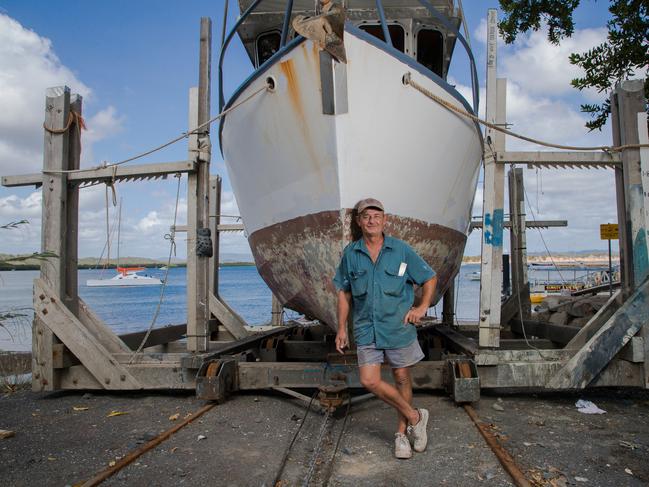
(288, 69)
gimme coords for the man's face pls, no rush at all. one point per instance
(371, 222)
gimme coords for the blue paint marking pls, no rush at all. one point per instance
(493, 228)
(640, 258)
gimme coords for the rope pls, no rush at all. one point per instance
(407, 80)
(172, 250)
(73, 117)
(182, 136)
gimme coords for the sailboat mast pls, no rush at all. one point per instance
(119, 227)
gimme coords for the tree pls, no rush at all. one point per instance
(624, 53)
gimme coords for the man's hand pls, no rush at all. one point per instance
(341, 340)
(414, 315)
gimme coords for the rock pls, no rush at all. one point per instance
(497, 407)
(559, 318)
(87, 395)
(542, 316)
(581, 309)
(580, 321)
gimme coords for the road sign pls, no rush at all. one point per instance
(608, 231)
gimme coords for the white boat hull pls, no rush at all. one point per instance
(297, 173)
(119, 281)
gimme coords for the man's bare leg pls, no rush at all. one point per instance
(370, 376)
(403, 384)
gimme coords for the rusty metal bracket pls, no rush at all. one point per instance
(216, 379)
(462, 381)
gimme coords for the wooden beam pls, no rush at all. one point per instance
(492, 205)
(448, 305)
(595, 355)
(102, 333)
(518, 246)
(565, 159)
(158, 336)
(227, 317)
(595, 323)
(457, 341)
(80, 341)
(105, 174)
(477, 225)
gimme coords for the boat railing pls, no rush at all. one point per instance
(440, 17)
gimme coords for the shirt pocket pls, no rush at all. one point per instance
(359, 280)
(393, 283)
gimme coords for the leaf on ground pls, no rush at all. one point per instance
(111, 463)
(80, 408)
(116, 413)
(174, 417)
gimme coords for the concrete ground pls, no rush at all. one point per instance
(66, 438)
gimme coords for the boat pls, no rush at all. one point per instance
(474, 276)
(335, 121)
(126, 276)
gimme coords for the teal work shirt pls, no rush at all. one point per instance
(382, 292)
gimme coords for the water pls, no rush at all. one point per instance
(131, 309)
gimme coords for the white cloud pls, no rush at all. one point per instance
(29, 66)
(544, 68)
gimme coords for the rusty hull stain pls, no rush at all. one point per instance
(297, 258)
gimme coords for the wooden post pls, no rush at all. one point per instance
(70, 299)
(198, 268)
(643, 138)
(626, 102)
(215, 221)
(277, 318)
(492, 207)
(448, 305)
(53, 232)
(518, 246)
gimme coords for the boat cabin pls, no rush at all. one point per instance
(412, 28)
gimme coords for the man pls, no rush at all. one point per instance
(376, 275)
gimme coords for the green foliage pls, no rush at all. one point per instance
(624, 54)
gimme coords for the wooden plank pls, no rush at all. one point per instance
(72, 212)
(633, 351)
(564, 158)
(492, 205)
(511, 308)
(102, 333)
(277, 312)
(643, 138)
(605, 344)
(448, 305)
(595, 323)
(215, 221)
(518, 246)
(457, 341)
(80, 341)
(105, 174)
(158, 336)
(163, 376)
(227, 317)
(496, 357)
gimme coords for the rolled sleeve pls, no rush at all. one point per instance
(341, 279)
(418, 270)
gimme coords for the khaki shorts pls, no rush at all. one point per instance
(397, 357)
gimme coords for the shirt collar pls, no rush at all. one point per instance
(388, 243)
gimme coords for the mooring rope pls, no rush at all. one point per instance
(182, 136)
(172, 251)
(408, 81)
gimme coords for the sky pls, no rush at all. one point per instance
(134, 63)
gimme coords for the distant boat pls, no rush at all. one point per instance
(126, 276)
(163, 268)
(473, 276)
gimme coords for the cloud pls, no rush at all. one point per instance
(29, 66)
(544, 68)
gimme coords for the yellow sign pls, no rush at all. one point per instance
(608, 231)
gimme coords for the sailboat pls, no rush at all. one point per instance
(126, 276)
(339, 122)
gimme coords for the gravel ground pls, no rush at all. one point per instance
(241, 442)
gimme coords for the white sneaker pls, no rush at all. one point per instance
(418, 431)
(402, 446)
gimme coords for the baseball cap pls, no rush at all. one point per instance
(362, 205)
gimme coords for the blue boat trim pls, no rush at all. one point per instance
(369, 38)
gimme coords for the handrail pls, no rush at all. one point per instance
(474, 74)
(384, 25)
(225, 45)
(287, 18)
(386, 33)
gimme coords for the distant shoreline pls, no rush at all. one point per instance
(148, 265)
